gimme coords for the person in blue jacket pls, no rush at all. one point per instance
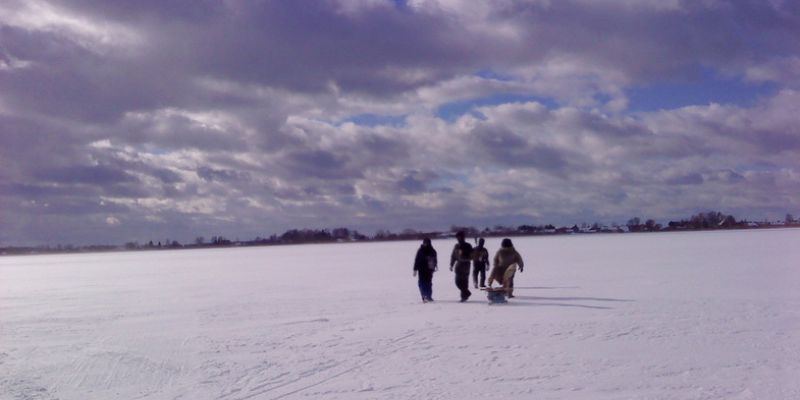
(425, 264)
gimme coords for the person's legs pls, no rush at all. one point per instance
(492, 276)
(475, 272)
(482, 273)
(422, 290)
(426, 286)
(496, 275)
(462, 280)
(429, 288)
(508, 279)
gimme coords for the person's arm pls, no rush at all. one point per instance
(417, 260)
(435, 261)
(453, 257)
(520, 264)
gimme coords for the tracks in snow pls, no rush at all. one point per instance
(307, 361)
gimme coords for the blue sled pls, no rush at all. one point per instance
(496, 296)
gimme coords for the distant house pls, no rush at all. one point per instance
(600, 229)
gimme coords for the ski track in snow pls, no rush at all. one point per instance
(701, 315)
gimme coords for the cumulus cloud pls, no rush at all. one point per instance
(247, 118)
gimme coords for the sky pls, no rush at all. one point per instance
(153, 120)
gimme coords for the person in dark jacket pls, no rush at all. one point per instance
(425, 264)
(460, 259)
(506, 263)
(480, 260)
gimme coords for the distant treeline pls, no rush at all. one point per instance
(712, 220)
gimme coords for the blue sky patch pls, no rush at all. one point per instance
(400, 4)
(377, 120)
(451, 111)
(494, 75)
(705, 89)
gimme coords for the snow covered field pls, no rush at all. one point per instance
(711, 315)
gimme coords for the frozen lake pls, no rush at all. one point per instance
(700, 315)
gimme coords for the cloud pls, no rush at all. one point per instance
(510, 149)
(247, 118)
(94, 175)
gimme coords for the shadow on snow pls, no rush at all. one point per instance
(543, 301)
(547, 287)
(514, 303)
(571, 298)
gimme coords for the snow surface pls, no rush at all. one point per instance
(712, 315)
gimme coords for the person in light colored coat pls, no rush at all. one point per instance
(506, 262)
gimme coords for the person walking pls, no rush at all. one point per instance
(425, 264)
(459, 262)
(480, 260)
(506, 262)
